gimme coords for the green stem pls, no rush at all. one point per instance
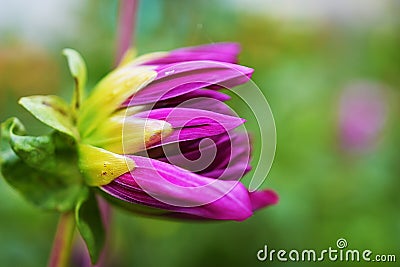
(61, 250)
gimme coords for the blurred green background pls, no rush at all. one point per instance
(306, 54)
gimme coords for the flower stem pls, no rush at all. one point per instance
(106, 217)
(63, 240)
(126, 27)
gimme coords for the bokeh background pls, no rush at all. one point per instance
(331, 73)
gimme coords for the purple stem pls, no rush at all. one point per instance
(126, 27)
(106, 216)
(62, 242)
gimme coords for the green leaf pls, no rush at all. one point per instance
(33, 150)
(89, 223)
(42, 169)
(78, 70)
(51, 110)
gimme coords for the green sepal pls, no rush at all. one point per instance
(89, 223)
(52, 111)
(78, 70)
(42, 169)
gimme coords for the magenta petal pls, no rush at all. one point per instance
(209, 104)
(181, 191)
(225, 52)
(197, 99)
(261, 199)
(225, 156)
(197, 155)
(201, 93)
(187, 117)
(197, 69)
(233, 159)
(190, 124)
(177, 79)
(191, 149)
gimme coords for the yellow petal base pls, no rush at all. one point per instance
(100, 167)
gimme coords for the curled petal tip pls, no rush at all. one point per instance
(264, 198)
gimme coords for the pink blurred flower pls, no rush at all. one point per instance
(362, 115)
